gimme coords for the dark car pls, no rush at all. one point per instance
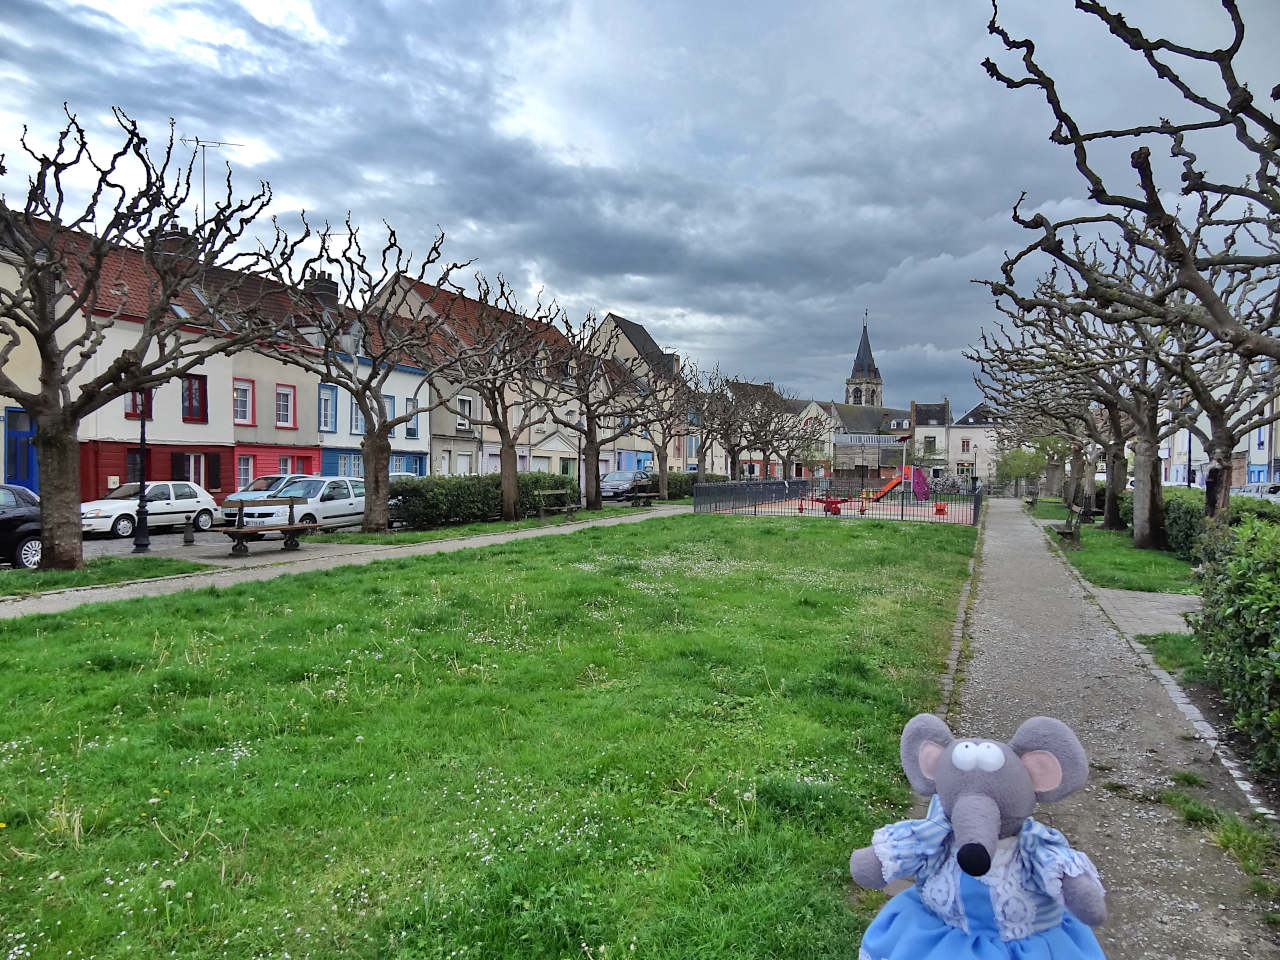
(623, 483)
(19, 526)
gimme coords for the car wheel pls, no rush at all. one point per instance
(309, 520)
(123, 527)
(27, 555)
(204, 521)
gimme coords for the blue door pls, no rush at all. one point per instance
(20, 449)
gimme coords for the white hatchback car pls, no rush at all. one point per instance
(323, 501)
(169, 503)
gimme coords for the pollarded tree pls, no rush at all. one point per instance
(493, 346)
(110, 285)
(589, 390)
(356, 317)
(666, 417)
(1224, 246)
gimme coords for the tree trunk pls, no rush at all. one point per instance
(509, 465)
(1116, 470)
(58, 459)
(1217, 481)
(1054, 473)
(1148, 497)
(376, 450)
(1072, 487)
(702, 459)
(662, 471)
(734, 466)
(591, 453)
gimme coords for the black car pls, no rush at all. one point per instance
(624, 483)
(19, 526)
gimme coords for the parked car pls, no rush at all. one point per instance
(169, 503)
(323, 501)
(259, 488)
(19, 526)
(623, 483)
(1266, 491)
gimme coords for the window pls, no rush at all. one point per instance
(286, 465)
(357, 488)
(464, 413)
(350, 465)
(964, 446)
(285, 396)
(398, 464)
(964, 469)
(389, 411)
(134, 403)
(357, 418)
(566, 466)
(243, 403)
(327, 410)
(930, 445)
(183, 491)
(195, 399)
(411, 427)
(244, 472)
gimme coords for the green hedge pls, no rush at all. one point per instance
(680, 485)
(1184, 515)
(1239, 630)
(430, 502)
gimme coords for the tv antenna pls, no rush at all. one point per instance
(204, 146)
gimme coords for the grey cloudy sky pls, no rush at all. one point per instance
(743, 178)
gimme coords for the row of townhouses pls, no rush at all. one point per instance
(246, 414)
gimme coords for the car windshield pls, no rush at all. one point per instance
(621, 475)
(301, 488)
(126, 491)
(262, 483)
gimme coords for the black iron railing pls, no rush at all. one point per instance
(827, 499)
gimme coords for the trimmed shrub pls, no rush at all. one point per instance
(1184, 515)
(429, 502)
(1239, 630)
(680, 485)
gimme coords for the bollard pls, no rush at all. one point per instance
(188, 532)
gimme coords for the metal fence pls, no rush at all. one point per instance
(824, 498)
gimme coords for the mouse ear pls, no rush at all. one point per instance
(1053, 757)
(924, 739)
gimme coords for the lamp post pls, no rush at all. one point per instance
(1188, 458)
(141, 534)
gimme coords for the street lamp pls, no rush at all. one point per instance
(141, 533)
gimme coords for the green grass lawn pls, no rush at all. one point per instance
(470, 529)
(97, 571)
(1107, 558)
(1179, 653)
(659, 740)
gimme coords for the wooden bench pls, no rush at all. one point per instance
(643, 499)
(242, 535)
(566, 506)
(1070, 531)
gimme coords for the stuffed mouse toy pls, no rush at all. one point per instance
(990, 882)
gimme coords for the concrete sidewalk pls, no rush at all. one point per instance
(268, 561)
(1040, 646)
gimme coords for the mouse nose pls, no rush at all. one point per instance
(974, 859)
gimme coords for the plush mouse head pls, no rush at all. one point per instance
(988, 788)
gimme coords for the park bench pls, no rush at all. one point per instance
(241, 534)
(1070, 531)
(555, 501)
(643, 499)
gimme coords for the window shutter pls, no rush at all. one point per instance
(177, 466)
(213, 470)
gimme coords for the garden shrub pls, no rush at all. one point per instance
(680, 485)
(425, 503)
(1239, 630)
(1184, 515)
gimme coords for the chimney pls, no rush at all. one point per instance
(173, 248)
(322, 284)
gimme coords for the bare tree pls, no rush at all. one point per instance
(1224, 250)
(494, 347)
(107, 294)
(765, 420)
(589, 390)
(724, 415)
(357, 316)
(666, 416)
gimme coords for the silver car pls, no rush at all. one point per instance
(324, 501)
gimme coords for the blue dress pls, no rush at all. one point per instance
(1014, 912)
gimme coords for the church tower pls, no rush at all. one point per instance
(864, 388)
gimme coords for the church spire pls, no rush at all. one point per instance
(864, 365)
(864, 386)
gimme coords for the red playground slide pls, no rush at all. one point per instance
(886, 488)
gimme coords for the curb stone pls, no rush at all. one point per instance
(960, 631)
(1205, 731)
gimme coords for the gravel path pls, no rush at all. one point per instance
(1041, 646)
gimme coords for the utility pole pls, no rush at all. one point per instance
(203, 146)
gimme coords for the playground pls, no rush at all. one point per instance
(823, 498)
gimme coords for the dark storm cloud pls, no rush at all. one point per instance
(745, 181)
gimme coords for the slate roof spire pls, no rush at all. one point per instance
(864, 365)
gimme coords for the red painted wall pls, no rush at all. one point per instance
(266, 458)
(100, 459)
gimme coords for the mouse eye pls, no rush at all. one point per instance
(989, 756)
(965, 755)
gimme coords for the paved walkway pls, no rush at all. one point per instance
(268, 561)
(1041, 646)
(1136, 613)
